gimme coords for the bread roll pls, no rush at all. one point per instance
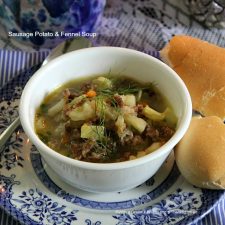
(201, 65)
(200, 155)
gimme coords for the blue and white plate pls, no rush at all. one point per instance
(33, 194)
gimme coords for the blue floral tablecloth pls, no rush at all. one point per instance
(144, 25)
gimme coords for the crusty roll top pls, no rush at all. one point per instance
(201, 65)
(200, 155)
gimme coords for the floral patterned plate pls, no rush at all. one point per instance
(33, 194)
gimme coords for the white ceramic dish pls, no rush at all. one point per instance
(109, 177)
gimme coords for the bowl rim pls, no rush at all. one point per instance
(164, 149)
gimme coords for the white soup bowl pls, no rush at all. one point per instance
(108, 177)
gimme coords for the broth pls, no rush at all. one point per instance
(105, 119)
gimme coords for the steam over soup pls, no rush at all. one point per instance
(105, 119)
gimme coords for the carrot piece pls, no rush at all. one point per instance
(91, 93)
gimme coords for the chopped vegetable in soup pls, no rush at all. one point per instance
(105, 119)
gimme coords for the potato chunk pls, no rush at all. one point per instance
(83, 112)
(92, 131)
(129, 100)
(103, 83)
(120, 125)
(138, 123)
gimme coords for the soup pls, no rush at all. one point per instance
(105, 119)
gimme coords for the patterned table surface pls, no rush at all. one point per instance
(144, 25)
